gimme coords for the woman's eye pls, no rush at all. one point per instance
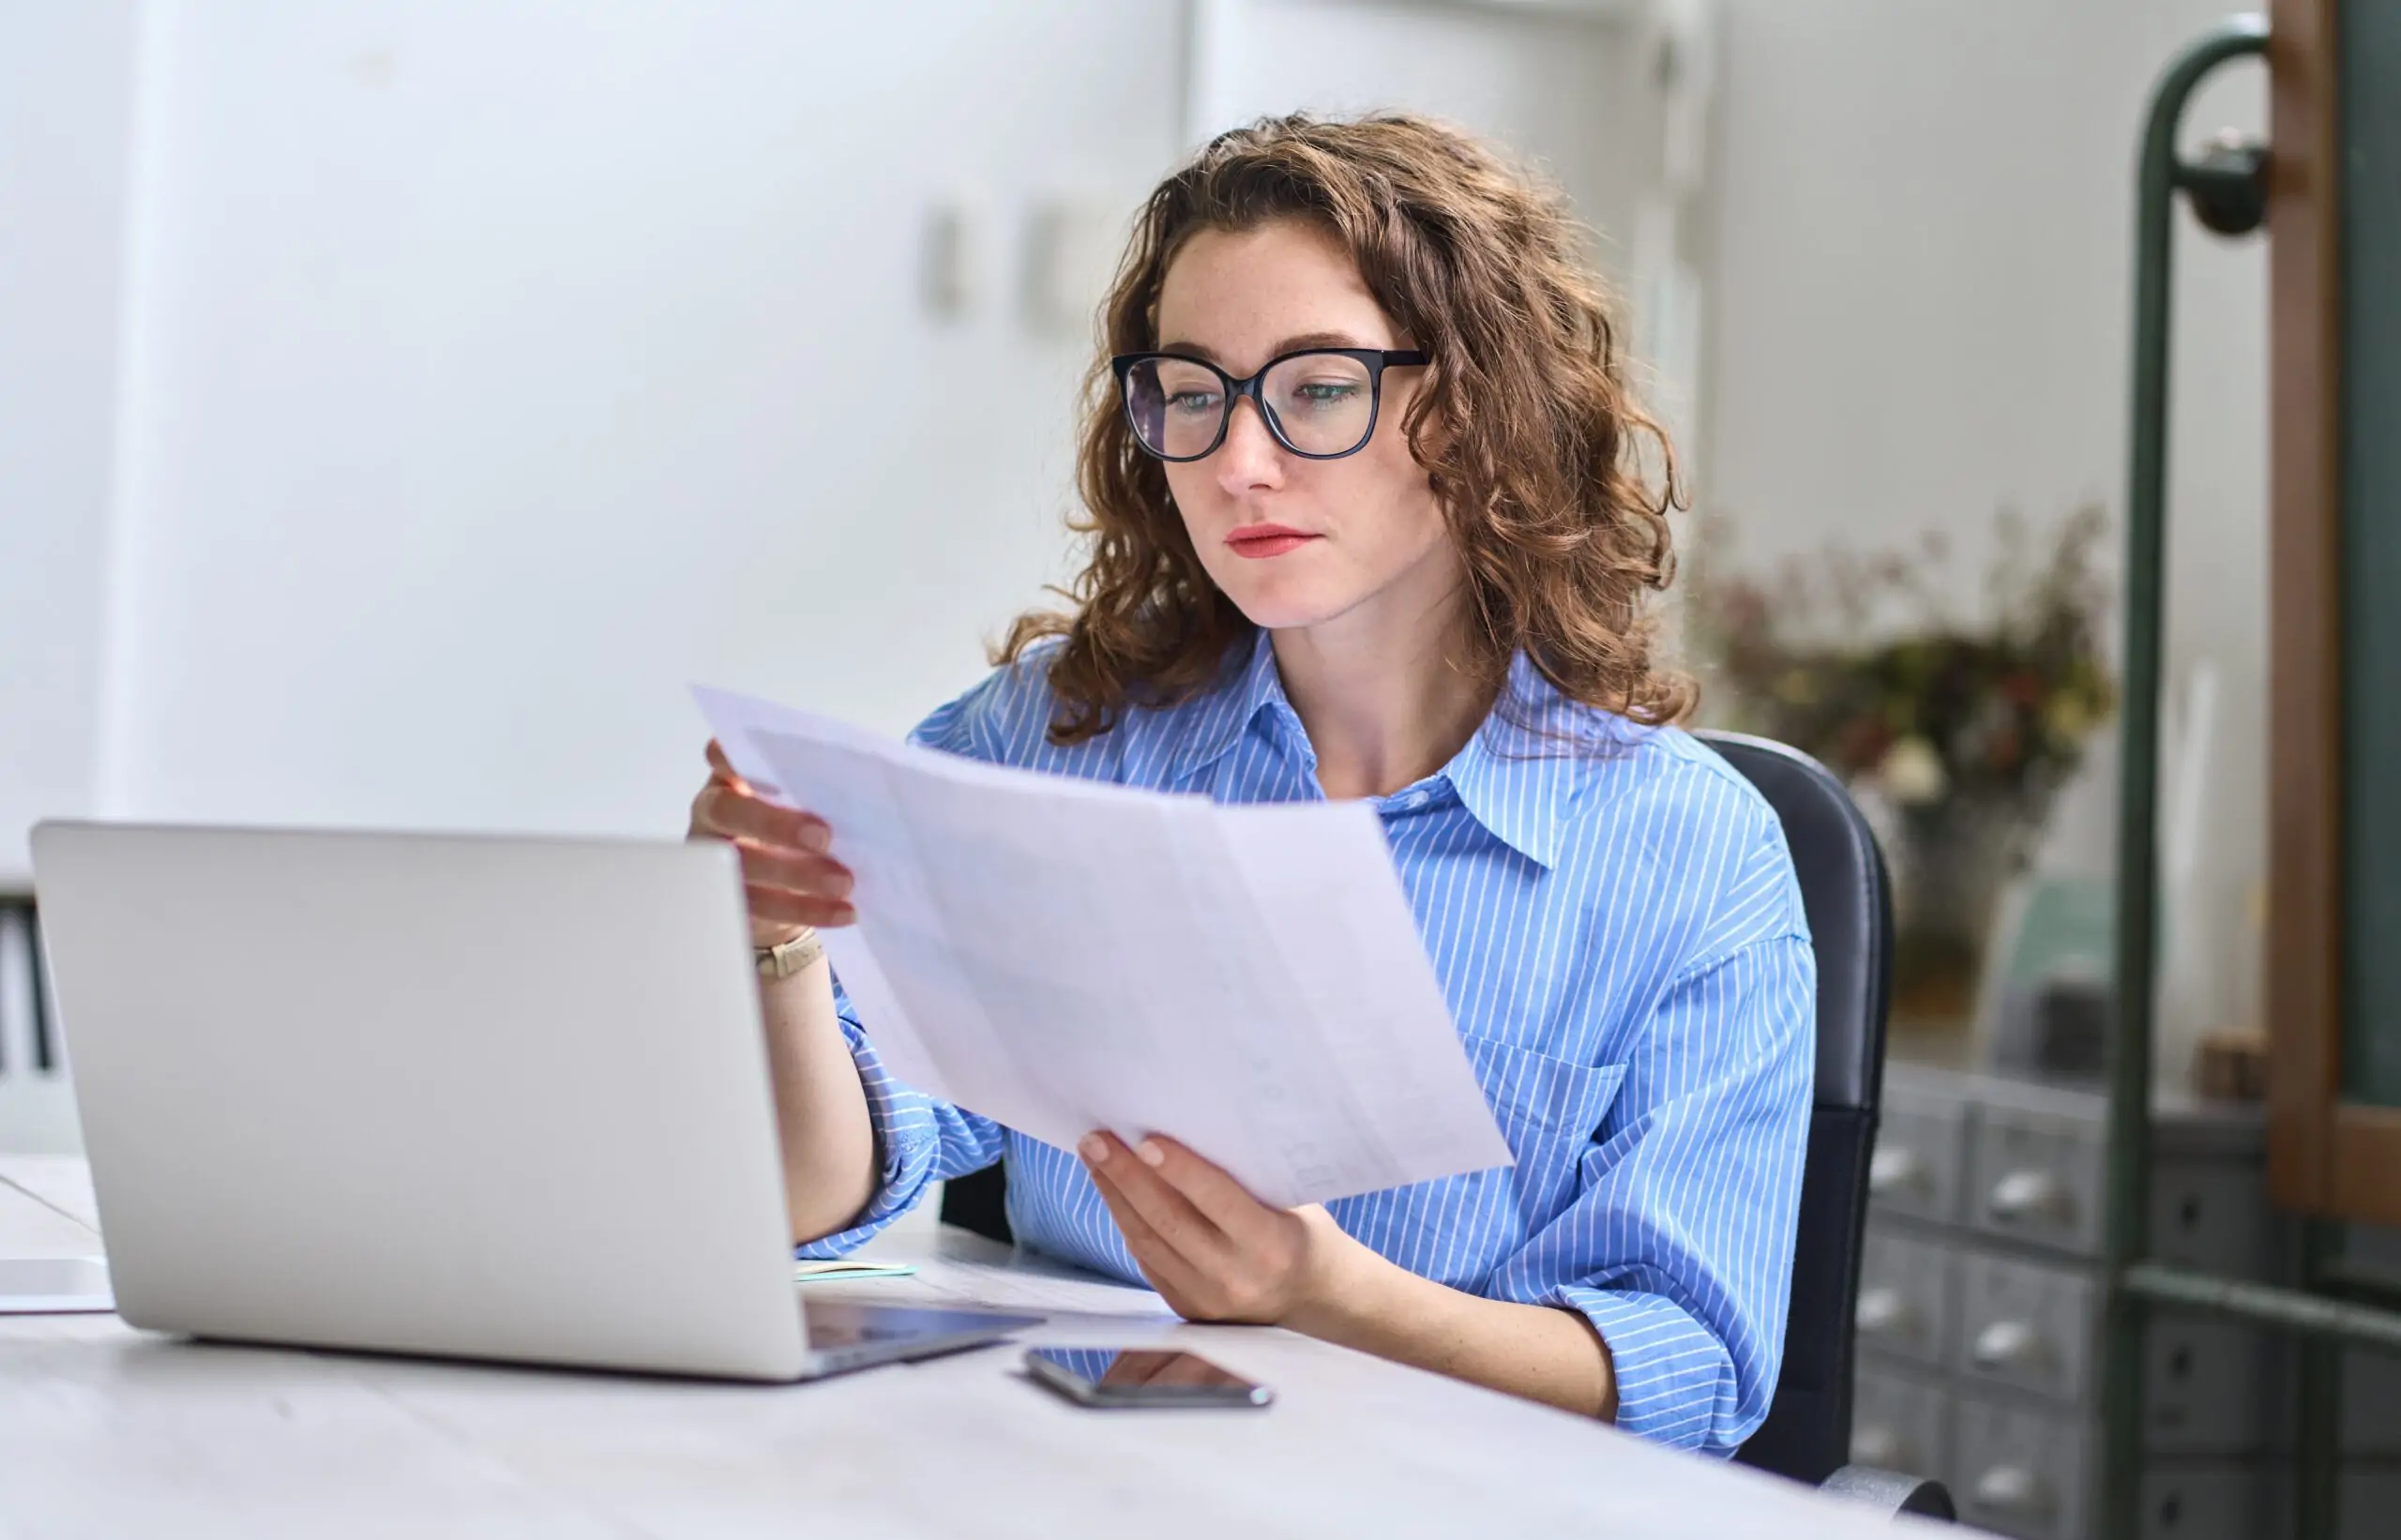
(1328, 392)
(1192, 401)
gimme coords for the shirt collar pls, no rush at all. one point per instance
(1520, 776)
(1244, 688)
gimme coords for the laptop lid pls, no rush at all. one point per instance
(483, 1097)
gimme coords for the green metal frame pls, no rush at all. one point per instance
(2334, 1306)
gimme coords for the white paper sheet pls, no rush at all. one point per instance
(1064, 956)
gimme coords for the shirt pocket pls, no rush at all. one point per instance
(1549, 1111)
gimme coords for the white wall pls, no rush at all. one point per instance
(65, 97)
(1922, 225)
(400, 402)
(490, 369)
(1559, 87)
(494, 369)
(1575, 87)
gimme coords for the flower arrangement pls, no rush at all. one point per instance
(1928, 709)
(1960, 734)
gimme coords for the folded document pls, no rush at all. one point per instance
(1063, 955)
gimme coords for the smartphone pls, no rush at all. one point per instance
(1141, 1377)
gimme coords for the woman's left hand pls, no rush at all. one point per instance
(1213, 1251)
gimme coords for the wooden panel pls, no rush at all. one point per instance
(2304, 874)
(2334, 633)
(2365, 1155)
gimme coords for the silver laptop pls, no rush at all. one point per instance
(476, 1097)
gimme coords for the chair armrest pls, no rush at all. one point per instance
(1890, 1493)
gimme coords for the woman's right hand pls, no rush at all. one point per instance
(788, 877)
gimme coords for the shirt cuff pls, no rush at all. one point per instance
(908, 1143)
(1672, 1372)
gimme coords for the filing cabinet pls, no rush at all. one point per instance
(2034, 1176)
(2020, 1469)
(2213, 1215)
(2372, 1408)
(2026, 1325)
(2208, 1387)
(1980, 1316)
(2220, 1499)
(1902, 1422)
(1905, 1296)
(1915, 1170)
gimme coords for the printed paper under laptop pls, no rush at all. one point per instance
(1063, 955)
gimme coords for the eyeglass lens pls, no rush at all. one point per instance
(1323, 402)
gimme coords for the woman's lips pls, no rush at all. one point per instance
(1257, 542)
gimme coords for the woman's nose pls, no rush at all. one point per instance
(1250, 456)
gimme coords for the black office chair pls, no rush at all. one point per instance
(1844, 891)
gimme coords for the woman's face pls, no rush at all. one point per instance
(1297, 543)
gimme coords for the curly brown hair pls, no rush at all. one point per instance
(1528, 431)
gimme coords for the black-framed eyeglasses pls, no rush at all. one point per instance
(1321, 403)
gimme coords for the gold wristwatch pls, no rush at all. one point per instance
(785, 958)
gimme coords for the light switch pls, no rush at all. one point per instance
(1072, 247)
(953, 258)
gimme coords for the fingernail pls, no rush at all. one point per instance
(1151, 1152)
(1096, 1149)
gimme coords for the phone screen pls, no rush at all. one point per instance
(1141, 1377)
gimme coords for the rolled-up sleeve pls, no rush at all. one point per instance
(1678, 1246)
(919, 1140)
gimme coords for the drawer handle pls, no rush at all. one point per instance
(2008, 1345)
(1879, 1447)
(1893, 1168)
(1884, 1311)
(2023, 1196)
(2011, 1489)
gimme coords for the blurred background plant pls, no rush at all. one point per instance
(1956, 734)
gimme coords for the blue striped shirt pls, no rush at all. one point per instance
(1613, 915)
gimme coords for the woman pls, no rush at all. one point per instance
(1368, 519)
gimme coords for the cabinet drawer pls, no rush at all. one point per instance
(1906, 1296)
(1921, 1151)
(2035, 1176)
(1901, 1423)
(2371, 1495)
(2027, 1474)
(2027, 1326)
(2208, 1387)
(2020, 1472)
(2206, 1500)
(2213, 1215)
(2371, 1403)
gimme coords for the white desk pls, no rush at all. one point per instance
(105, 1430)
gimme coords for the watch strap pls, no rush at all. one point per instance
(785, 958)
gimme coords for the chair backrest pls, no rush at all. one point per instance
(1845, 893)
(980, 1202)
